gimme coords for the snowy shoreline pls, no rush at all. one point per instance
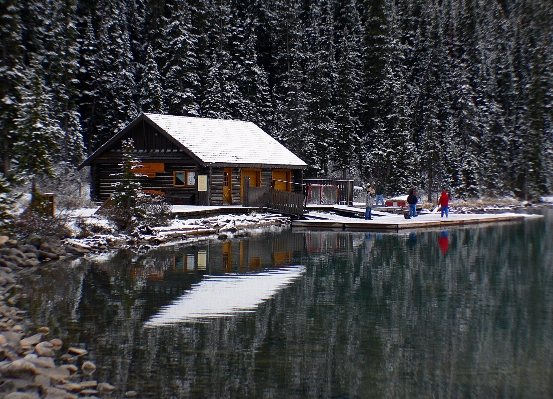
(29, 355)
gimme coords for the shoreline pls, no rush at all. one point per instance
(27, 357)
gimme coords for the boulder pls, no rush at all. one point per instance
(19, 368)
(26, 343)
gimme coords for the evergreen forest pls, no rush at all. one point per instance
(433, 94)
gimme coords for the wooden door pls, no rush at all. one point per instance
(227, 186)
(255, 179)
(281, 179)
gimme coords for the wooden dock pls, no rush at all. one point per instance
(398, 222)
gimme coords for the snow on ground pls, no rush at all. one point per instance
(182, 226)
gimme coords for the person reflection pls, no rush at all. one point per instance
(412, 239)
(369, 241)
(443, 241)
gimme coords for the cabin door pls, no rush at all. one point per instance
(255, 180)
(282, 179)
(227, 186)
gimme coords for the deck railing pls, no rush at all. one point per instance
(280, 201)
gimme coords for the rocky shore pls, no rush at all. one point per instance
(32, 363)
(35, 365)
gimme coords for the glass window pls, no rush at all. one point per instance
(190, 178)
(179, 178)
(185, 178)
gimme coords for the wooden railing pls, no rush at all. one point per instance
(281, 201)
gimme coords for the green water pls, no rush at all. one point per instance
(460, 313)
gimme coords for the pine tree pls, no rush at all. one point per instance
(115, 79)
(179, 64)
(123, 206)
(62, 52)
(347, 88)
(88, 87)
(37, 130)
(11, 80)
(151, 91)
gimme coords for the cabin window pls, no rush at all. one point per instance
(185, 178)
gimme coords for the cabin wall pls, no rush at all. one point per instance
(105, 176)
(216, 184)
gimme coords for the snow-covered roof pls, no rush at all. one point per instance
(216, 142)
(224, 141)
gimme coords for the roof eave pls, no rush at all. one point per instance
(253, 165)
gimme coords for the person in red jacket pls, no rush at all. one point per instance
(444, 204)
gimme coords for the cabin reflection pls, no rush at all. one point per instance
(168, 272)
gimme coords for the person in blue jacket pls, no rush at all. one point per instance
(412, 201)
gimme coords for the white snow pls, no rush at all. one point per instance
(224, 141)
(226, 295)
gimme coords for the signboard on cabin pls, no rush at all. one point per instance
(149, 169)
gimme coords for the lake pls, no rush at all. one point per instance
(456, 313)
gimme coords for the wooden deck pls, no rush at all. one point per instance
(383, 221)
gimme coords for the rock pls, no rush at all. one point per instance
(17, 253)
(88, 367)
(89, 392)
(13, 338)
(88, 384)
(32, 263)
(18, 368)
(56, 343)
(44, 349)
(45, 362)
(57, 375)
(77, 351)
(68, 358)
(76, 251)
(34, 239)
(26, 343)
(21, 395)
(44, 330)
(56, 393)
(70, 387)
(105, 387)
(70, 367)
(130, 394)
(43, 380)
(3, 239)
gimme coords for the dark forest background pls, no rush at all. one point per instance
(435, 94)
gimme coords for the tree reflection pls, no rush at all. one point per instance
(369, 318)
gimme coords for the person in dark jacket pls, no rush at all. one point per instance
(412, 201)
(443, 202)
(380, 194)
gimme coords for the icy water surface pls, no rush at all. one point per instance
(458, 313)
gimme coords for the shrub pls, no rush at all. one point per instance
(36, 222)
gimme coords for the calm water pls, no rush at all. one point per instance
(459, 313)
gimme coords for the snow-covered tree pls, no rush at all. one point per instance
(37, 130)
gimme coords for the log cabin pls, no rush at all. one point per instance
(197, 161)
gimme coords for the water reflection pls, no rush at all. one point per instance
(443, 242)
(226, 295)
(370, 316)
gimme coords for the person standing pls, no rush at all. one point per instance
(369, 192)
(443, 202)
(412, 201)
(379, 194)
